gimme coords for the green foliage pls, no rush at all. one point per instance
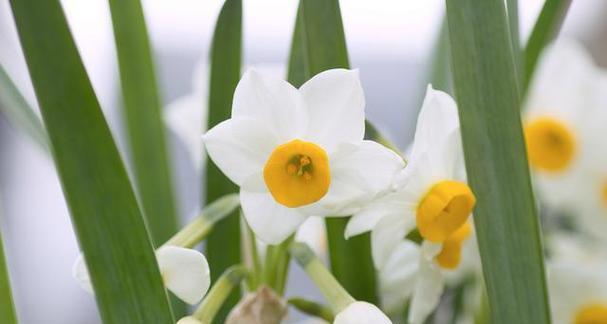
(105, 213)
(7, 309)
(506, 220)
(223, 244)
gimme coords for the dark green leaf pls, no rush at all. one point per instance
(7, 309)
(319, 44)
(105, 214)
(223, 244)
(142, 110)
(546, 28)
(19, 112)
(506, 220)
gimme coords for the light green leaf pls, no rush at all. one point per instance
(105, 214)
(319, 44)
(19, 112)
(505, 217)
(546, 28)
(142, 111)
(7, 308)
(223, 244)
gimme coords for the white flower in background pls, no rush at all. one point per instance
(185, 272)
(564, 120)
(578, 291)
(297, 153)
(397, 277)
(186, 116)
(361, 313)
(430, 194)
(188, 320)
(314, 234)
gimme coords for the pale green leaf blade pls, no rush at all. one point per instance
(7, 308)
(545, 29)
(506, 220)
(105, 214)
(319, 44)
(223, 244)
(19, 113)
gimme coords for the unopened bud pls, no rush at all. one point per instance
(260, 307)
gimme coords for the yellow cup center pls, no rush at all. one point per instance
(444, 209)
(297, 173)
(451, 253)
(604, 193)
(551, 145)
(592, 314)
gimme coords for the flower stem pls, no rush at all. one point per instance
(219, 292)
(312, 308)
(335, 294)
(202, 225)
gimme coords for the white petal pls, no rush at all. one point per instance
(313, 233)
(240, 147)
(81, 274)
(427, 293)
(188, 320)
(366, 219)
(358, 174)
(387, 234)
(437, 119)
(185, 272)
(186, 118)
(272, 101)
(270, 221)
(361, 313)
(398, 277)
(336, 106)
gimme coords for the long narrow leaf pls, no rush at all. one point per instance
(506, 221)
(223, 244)
(319, 44)
(515, 39)
(142, 112)
(105, 214)
(19, 112)
(546, 28)
(7, 308)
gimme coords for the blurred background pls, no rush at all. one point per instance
(390, 41)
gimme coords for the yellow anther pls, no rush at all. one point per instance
(551, 145)
(451, 254)
(444, 209)
(592, 314)
(297, 173)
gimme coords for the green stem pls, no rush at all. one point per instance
(335, 294)
(256, 277)
(218, 294)
(312, 308)
(201, 226)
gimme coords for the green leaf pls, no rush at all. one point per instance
(142, 109)
(7, 308)
(515, 39)
(546, 28)
(19, 112)
(505, 217)
(105, 214)
(319, 44)
(223, 244)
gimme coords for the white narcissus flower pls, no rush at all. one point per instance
(578, 290)
(430, 194)
(185, 272)
(297, 153)
(361, 313)
(188, 320)
(564, 119)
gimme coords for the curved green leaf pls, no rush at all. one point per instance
(105, 214)
(505, 217)
(142, 111)
(223, 244)
(7, 308)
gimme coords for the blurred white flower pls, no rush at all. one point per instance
(430, 194)
(188, 320)
(185, 272)
(564, 118)
(297, 153)
(578, 290)
(361, 313)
